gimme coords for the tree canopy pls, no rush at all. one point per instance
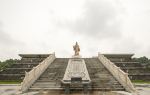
(143, 61)
(7, 63)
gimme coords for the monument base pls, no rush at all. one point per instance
(76, 56)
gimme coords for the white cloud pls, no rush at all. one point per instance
(45, 26)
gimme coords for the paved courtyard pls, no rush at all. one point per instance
(143, 89)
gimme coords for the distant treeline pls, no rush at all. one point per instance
(7, 63)
(143, 61)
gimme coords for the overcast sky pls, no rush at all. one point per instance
(46, 26)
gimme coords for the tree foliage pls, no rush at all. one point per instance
(7, 63)
(143, 61)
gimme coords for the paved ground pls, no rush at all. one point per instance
(143, 89)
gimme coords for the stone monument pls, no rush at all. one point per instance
(76, 49)
(76, 74)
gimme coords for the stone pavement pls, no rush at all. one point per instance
(143, 89)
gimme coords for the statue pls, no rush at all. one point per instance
(76, 49)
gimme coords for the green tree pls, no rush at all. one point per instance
(7, 63)
(144, 61)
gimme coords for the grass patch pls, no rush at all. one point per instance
(10, 82)
(140, 81)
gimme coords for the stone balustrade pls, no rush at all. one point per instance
(34, 74)
(121, 76)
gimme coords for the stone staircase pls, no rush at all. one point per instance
(51, 78)
(100, 76)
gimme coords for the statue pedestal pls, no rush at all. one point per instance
(76, 56)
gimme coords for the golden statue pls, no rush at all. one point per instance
(76, 49)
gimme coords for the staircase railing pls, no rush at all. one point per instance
(34, 74)
(120, 75)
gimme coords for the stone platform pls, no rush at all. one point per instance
(135, 70)
(17, 70)
(28, 61)
(101, 78)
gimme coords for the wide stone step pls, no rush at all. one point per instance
(11, 76)
(135, 71)
(29, 61)
(18, 68)
(141, 74)
(52, 75)
(46, 80)
(93, 89)
(128, 64)
(106, 85)
(48, 88)
(23, 65)
(15, 71)
(108, 88)
(105, 82)
(46, 85)
(136, 68)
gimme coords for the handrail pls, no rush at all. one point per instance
(120, 75)
(34, 74)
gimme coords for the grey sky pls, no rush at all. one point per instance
(99, 19)
(45, 26)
